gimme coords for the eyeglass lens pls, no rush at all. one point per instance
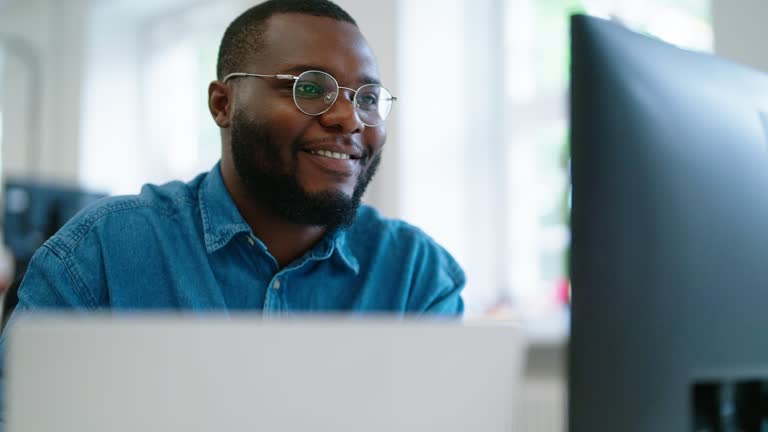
(315, 92)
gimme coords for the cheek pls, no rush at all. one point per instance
(375, 139)
(285, 128)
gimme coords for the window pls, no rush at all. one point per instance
(180, 138)
(145, 116)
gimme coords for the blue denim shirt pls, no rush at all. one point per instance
(185, 246)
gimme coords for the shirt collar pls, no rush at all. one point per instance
(221, 218)
(338, 240)
(222, 221)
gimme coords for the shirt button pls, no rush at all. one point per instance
(276, 285)
(250, 240)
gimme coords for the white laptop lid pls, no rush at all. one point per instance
(192, 374)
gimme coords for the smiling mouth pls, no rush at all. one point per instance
(332, 155)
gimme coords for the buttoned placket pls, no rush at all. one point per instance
(275, 296)
(274, 299)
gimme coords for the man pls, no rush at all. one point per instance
(276, 226)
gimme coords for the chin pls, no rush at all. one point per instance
(317, 188)
(347, 193)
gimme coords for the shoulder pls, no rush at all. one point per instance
(127, 216)
(409, 264)
(371, 223)
(400, 240)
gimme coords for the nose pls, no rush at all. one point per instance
(343, 116)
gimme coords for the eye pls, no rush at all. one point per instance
(309, 90)
(367, 100)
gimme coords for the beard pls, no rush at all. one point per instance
(269, 181)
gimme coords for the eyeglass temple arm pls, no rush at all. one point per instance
(243, 74)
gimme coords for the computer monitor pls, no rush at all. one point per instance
(669, 258)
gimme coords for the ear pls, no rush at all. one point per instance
(220, 103)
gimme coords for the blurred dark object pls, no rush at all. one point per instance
(32, 212)
(727, 406)
(669, 238)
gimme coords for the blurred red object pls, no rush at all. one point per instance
(563, 292)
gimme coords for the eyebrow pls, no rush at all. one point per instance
(297, 69)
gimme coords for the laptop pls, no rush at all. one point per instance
(152, 373)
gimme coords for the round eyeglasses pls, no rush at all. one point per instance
(315, 92)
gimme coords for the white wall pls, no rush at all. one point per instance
(741, 31)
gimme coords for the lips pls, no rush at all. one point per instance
(334, 144)
(334, 163)
(339, 156)
(331, 154)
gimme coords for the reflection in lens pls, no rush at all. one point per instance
(308, 90)
(314, 92)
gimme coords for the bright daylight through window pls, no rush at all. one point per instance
(496, 193)
(536, 67)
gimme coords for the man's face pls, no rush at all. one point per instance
(275, 146)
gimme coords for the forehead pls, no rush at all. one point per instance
(336, 47)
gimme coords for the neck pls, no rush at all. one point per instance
(286, 241)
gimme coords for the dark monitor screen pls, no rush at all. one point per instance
(34, 210)
(669, 260)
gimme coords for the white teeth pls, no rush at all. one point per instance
(330, 154)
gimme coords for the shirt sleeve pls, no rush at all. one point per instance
(438, 280)
(447, 297)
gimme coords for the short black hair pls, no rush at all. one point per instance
(245, 35)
